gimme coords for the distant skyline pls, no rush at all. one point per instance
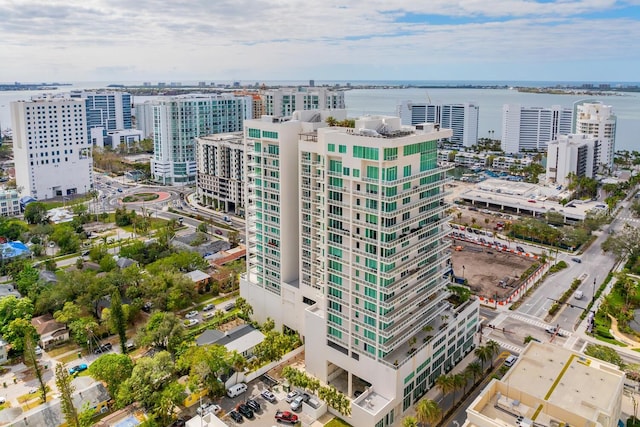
(262, 40)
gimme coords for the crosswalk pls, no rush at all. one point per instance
(631, 220)
(511, 347)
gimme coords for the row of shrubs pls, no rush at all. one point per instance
(565, 297)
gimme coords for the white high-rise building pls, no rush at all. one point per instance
(346, 231)
(221, 179)
(532, 128)
(284, 101)
(51, 151)
(597, 119)
(573, 153)
(462, 119)
(178, 121)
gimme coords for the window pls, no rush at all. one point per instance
(342, 149)
(390, 153)
(407, 171)
(368, 153)
(373, 172)
(269, 134)
(331, 147)
(254, 133)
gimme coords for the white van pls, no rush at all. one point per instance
(236, 390)
(578, 295)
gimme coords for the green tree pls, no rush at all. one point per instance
(409, 421)
(237, 362)
(66, 238)
(483, 353)
(624, 244)
(444, 383)
(245, 308)
(493, 348)
(234, 238)
(66, 390)
(428, 412)
(148, 379)
(475, 370)
(605, 353)
(118, 320)
(205, 365)
(16, 332)
(113, 369)
(163, 330)
(31, 360)
(459, 382)
(35, 213)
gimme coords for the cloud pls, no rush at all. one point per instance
(266, 39)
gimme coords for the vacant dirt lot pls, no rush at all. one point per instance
(484, 268)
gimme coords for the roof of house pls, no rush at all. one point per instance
(240, 338)
(46, 324)
(48, 276)
(198, 276)
(124, 262)
(50, 414)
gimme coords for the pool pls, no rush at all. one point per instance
(130, 421)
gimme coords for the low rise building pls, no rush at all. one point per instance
(50, 331)
(551, 386)
(571, 154)
(243, 339)
(9, 203)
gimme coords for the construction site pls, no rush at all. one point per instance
(489, 272)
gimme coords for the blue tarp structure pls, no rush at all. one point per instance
(14, 250)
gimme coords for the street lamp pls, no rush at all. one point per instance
(463, 271)
(593, 298)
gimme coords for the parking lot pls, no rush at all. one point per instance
(266, 416)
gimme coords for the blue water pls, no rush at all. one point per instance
(384, 101)
(128, 422)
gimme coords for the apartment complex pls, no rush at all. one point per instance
(571, 154)
(597, 119)
(52, 153)
(346, 231)
(284, 101)
(178, 121)
(551, 386)
(108, 113)
(220, 181)
(462, 119)
(532, 128)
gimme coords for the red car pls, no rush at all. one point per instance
(286, 417)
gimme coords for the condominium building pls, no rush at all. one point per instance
(9, 205)
(532, 128)
(220, 181)
(346, 230)
(106, 112)
(178, 121)
(284, 101)
(597, 119)
(550, 385)
(571, 154)
(462, 119)
(52, 154)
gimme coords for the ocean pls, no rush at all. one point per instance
(359, 102)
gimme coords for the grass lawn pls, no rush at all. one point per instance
(337, 422)
(63, 349)
(610, 341)
(71, 357)
(30, 396)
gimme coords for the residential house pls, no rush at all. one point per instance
(50, 331)
(242, 339)
(3, 350)
(200, 279)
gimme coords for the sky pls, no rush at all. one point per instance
(350, 40)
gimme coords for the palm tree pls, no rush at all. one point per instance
(409, 422)
(494, 349)
(475, 370)
(428, 411)
(459, 381)
(445, 384)
(483, 354)
(237, 362)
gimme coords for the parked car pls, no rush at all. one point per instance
(253, 405)
(291, 395)
(208, 307)
(103, 348)
(191, 323)
(578, 260)
(520, 249)
(203, 409)
(286, 417)
(218, 232)
(230, 306)
(208, 315)
(78, 368)
(510, 360)
(268, 396)
(235, 416)
(37, 350)
(245, 411)
(191, 314)
(296, 404)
